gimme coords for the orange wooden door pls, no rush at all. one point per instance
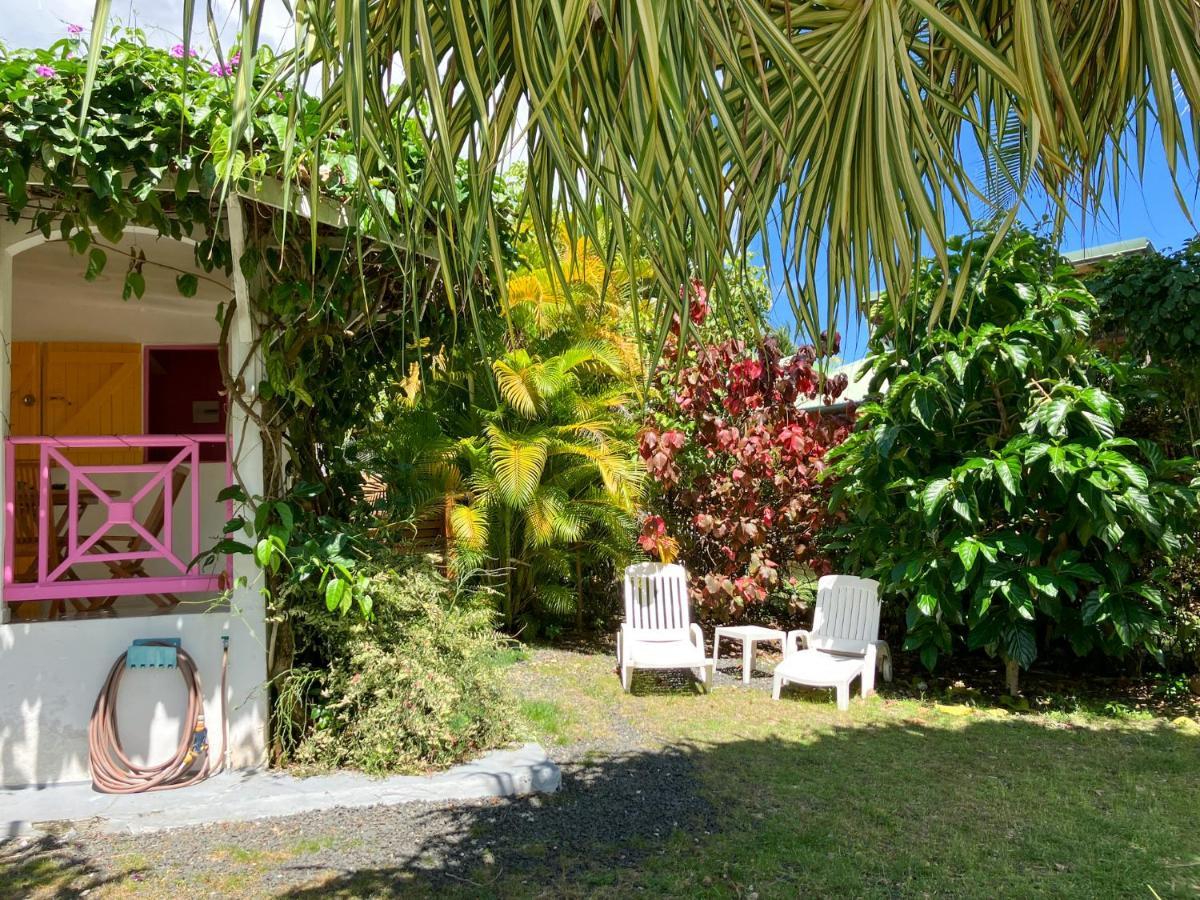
(93, 389)
(25, 398)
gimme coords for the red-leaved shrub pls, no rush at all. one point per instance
(735, 464)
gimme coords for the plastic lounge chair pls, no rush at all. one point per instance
(843, 643)
(658, 632)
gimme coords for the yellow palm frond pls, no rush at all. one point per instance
(518, 462)
(517, 378)
(469, 526)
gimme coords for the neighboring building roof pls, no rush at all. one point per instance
(1087, 259)
(859, 377)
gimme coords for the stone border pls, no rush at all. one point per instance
(246, 796)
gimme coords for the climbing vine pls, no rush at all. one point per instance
(336, 311)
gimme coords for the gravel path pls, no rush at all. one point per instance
(623, 792)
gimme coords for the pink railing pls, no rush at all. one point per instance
(71, 499)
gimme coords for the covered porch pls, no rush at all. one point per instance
(118, 442)
(117, 447)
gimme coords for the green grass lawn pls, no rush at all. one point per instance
(894, 798)
(670, 792)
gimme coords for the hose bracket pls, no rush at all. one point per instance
(153, 653)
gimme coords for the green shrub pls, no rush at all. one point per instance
(1181, 634)
(993, 488)
(415, 687)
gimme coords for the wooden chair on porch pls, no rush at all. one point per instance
(27, 536)
(154, 523)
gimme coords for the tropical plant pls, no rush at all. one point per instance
(1149, 314)
(414, 686)
(734, 465)
(692, 127)
(1150, 309)
(991, 488)
(534, 484)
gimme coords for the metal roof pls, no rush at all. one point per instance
(1086, 256)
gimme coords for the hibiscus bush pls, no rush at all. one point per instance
(734, 464)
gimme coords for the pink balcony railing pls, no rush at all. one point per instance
(74, 530)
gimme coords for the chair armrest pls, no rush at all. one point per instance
(795, 640)
(697, 635)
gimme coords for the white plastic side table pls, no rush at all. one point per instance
(749, 635)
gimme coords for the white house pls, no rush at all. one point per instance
(117, 442)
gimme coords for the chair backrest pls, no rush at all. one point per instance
(156, 518)
(26, 525)
(656, 600)
(847, 613)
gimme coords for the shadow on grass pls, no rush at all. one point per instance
(50, 866)
(882, 803)
(974, 808)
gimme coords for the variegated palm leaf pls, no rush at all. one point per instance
(684, 131)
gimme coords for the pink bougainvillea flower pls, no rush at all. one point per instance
(74, 30)
(223, 71)
(45, 72)
(177, 51)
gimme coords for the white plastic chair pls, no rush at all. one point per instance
(843, 643)
(658, 632)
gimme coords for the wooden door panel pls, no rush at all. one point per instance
(25, 398)
(93, 389)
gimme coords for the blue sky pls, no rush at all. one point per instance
(1147, 209)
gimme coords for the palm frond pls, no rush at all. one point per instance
(517, 461)
(685, 132)
(518, 378)
(469, 527)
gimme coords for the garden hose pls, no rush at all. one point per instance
(114, 773)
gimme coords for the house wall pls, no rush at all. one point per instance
(51, 672)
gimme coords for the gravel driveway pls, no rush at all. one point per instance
(622, 794)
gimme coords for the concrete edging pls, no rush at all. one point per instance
(246, 796)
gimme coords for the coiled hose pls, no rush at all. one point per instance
(114, 773)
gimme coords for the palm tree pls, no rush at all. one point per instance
(533, 488)
(833, 129)
(552, 472)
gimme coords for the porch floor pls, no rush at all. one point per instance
(254, 794)
(30, 611)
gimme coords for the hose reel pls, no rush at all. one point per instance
(113, 772)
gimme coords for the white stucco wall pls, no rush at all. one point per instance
(51, 672)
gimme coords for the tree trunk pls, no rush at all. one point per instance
(1012, 672)
(579, 590)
